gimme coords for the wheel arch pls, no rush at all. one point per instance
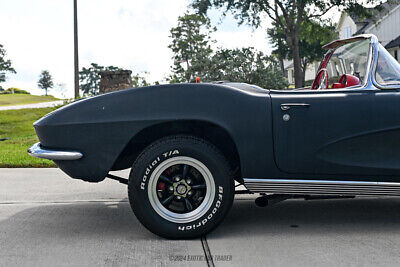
(211, 132)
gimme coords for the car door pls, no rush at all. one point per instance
(342, 132)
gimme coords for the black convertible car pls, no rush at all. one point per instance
(187, 144)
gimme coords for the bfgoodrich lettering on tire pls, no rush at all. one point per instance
(180, 187)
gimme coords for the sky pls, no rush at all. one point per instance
(131, 34)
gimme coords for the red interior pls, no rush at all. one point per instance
(318, 79)
(338, 85)
(351, 80)
(321, 67)
(346, 80)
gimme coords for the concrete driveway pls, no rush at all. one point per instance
(35, 105)
(47, 218)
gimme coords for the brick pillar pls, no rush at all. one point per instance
(115, 80)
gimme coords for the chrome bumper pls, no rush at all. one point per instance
(37, 151)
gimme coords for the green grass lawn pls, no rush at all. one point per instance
(22, 99)
(17, 125)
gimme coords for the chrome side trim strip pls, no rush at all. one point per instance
(321, 187)
(37, 151)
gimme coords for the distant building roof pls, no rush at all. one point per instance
(289, 66)
(376, 14)
(393, 43)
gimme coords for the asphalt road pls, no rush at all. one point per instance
(47, 218)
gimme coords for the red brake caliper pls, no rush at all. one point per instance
(160, 185)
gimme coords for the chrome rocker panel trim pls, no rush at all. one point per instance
(319, 187)
(37, 151)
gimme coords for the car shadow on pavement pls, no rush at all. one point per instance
(80, 218)
(83, 233)
(336, 216)
(116, 219)
(93, 233)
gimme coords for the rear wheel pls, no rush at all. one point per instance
(181, 187)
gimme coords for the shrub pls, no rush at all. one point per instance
(16, 91)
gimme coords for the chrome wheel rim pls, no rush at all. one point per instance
(178, 187)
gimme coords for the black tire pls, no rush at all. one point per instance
(147, 168)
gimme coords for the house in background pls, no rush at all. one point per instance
(385, 24)
(311, 71)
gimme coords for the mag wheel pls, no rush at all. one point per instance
(181, 187)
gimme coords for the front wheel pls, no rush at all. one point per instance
(181, 187)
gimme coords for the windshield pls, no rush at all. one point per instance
(352, 59)
(387, 68)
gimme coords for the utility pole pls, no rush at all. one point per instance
(76, 54)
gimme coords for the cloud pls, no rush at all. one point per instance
(132, 34)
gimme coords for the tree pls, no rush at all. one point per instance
(288, 15)
(139, 81)
(5, 65)
(314, 34)
(45, 80)
(90, 78)
(191, 47)
(246, 65)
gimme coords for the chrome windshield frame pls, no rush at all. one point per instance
(372, 58)
(373, 71)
